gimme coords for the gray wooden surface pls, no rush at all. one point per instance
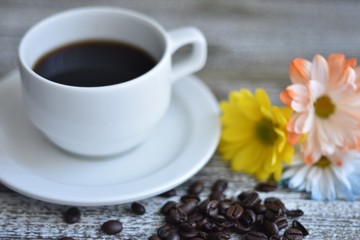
(250, 45)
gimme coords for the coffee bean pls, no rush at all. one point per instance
(154, 237)
(207, 227)
(196, 188)
(176, 216)
(165, 231)
(281, 222)
(138, 208)
(203, 235)
(220, 185)
(189, 197)
(194, 217)
(112, 227)
(188, 234)
(297, 225)
(201, 223)
(66, 238)
(293, 234)
(294, 213)
(170, 193)
(243, 195)
(275, 204)
(275, 237)
(214, 227)
(270, 228)
(255, 235)
(218, 236)
(234, 212)
(226, 224)
(224, 205)
(72, 215)
(248, 217)
(167, 207)
(241, 228)
(250, 199)
(259, 208)
(266, 186)
(270, 215)
(173, 236)
(187, 226)
(260, 219)
(217, 195)
(189, 207)
(211, 208)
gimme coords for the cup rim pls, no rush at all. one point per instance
(131, 13)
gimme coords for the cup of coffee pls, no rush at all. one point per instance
(97, 80)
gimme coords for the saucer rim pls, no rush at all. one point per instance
(197, 85)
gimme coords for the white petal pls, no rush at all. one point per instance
(301, 122)
(326, 144)
(309, 122)
(329, 185)
(290, 172)
(355, 183)
(316, 89)
(309, 178)
(320, 70)
(299, 177)
(316, 187)
(342, 177)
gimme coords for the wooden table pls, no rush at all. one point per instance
(250, 45)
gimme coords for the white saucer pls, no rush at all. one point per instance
(179, 147)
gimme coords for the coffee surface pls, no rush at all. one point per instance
(94, 63)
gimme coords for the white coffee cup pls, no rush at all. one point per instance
(100, 121)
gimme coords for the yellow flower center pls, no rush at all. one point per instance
(324, 107)
(265, 132)
(324, 162)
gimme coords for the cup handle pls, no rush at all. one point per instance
(197, 57)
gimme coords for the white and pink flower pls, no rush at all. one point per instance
(325, 97)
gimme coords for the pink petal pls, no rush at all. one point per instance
(300, 70)
(285, 97)
(347, 79)
(293, 138)
(299, 97)
(336, 64)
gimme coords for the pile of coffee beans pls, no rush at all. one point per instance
(217, 216)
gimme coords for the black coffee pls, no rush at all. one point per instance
(94, 63)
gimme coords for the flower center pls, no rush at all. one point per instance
(265, 132)
(324, 107)
(324, 162)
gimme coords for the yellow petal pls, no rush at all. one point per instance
(287, 154)
(277, 172)
(228, 151)
(263, 98)
(244, 160)
(237, 133)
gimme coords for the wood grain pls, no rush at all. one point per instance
(250, 45)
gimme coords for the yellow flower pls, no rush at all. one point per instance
(254, 133)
